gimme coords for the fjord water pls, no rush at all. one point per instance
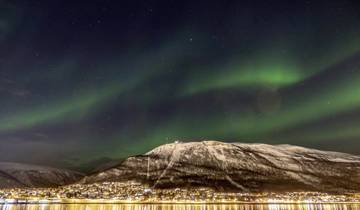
(180, 207)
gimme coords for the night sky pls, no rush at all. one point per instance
(83, 82)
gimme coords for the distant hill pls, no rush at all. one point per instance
(26, 175)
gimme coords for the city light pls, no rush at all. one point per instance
(133, 192)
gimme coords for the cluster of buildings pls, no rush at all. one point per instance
(137, 192)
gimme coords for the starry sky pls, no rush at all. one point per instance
(85, 82)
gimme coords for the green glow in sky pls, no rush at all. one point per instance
(73, 108)
(257, 73)
(128, 81)
(272, 68)
(89, 101)
(330, 99)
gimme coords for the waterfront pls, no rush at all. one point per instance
(133, 192)
(180, 207)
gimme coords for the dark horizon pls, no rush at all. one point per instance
(85, 83)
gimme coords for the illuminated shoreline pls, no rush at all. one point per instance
(104, 201)
(177, 203)
(137, 193)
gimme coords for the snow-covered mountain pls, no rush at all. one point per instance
(240, 167)
(25, 175)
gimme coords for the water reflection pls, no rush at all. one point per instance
(180, 207)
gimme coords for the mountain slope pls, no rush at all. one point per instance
(240, 167)
(25, 175)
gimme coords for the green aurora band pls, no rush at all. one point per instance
(176, 73)
(88, 101)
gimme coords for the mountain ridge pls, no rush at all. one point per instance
(240, 167)
(28, 175)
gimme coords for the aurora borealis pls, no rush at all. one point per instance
(82, 82)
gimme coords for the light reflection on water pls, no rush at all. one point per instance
(180, 207)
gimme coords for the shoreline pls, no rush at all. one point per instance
(125, 202)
